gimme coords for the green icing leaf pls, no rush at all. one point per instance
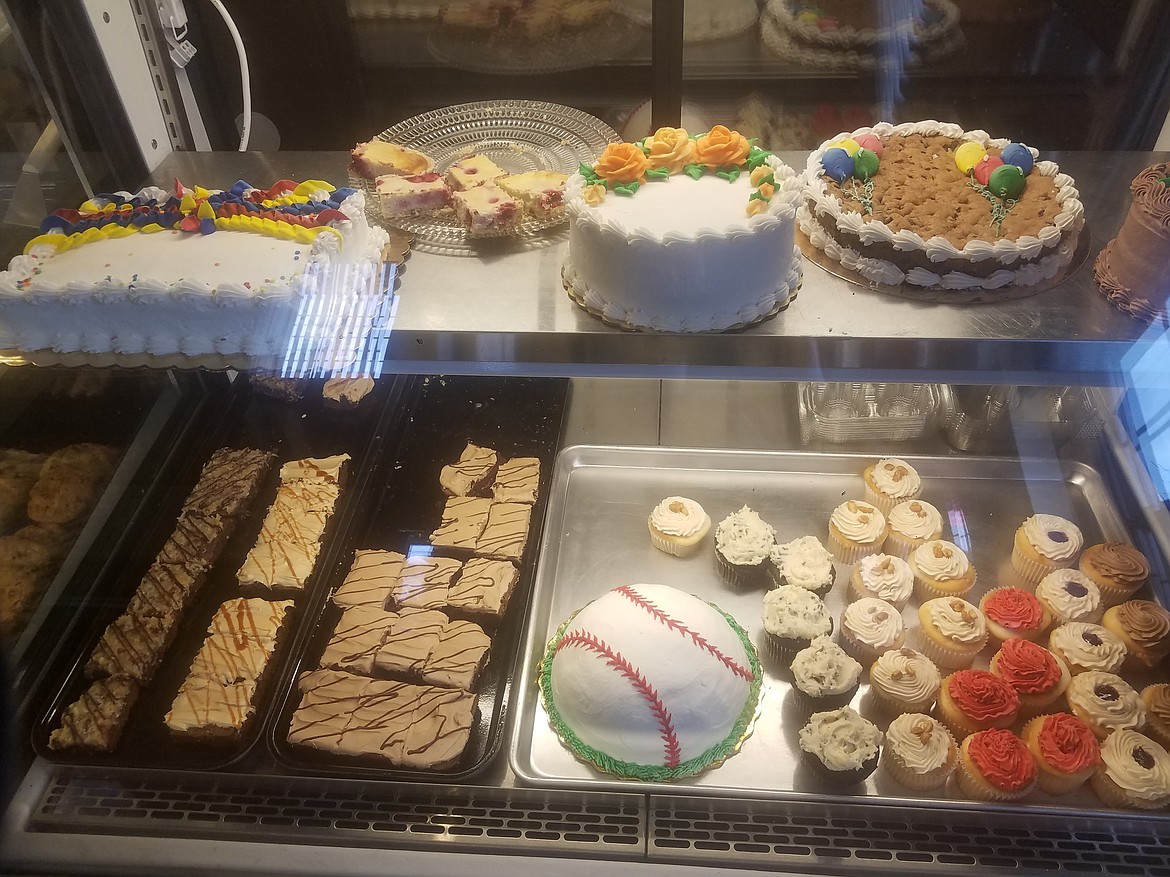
(756, 157)
(1165, 181)
(695, 171)
(659, 173)
(731, 174)
(758, 196)
(628, 189)
(770, 179)
(589, 174)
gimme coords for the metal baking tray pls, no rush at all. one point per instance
(292, 430)
(597, 540)
(516, 417)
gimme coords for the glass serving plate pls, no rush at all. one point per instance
(518, 135)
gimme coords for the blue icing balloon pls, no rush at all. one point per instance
(838, 164)
(1019, 155)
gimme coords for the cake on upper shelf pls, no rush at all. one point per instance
(932, 205)
(703, 20)
(860, 34)
(1134, 268)
(683, 234)
(197, 271)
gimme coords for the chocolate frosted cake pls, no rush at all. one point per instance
(1132, 269)
(931, 205)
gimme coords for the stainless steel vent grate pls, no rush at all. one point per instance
(324, 812)
(844, 838)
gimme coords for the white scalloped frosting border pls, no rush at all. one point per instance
(847, 35)
(637, 319)
(937, 248)
(789, 191)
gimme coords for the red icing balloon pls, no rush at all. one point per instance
(871, 142)
(985, 167)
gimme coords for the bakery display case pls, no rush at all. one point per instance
(312, 625)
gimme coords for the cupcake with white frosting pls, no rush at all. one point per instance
(904, 680)
(912, 523)
(920, 752)
(677, 526)
(856, 529)
(941, 569)
(1044, 543)
(870, 626)
(1134, 772)
(885, 577)
(1106, 703)
(890, 481)
(743, 544)
(1083, 647)
(803, 562)
(840, 746)
(824, 677)
(793, 618)
(1070, 595)
(951, 632)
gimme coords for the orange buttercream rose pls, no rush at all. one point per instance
(621, 163)
(721, 147)
(671, 148)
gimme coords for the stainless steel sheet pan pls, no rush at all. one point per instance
(596, 539)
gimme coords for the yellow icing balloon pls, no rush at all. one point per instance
(305, 235)
(60, 241)
(808, 17)
(968, 155)
(328, 229)
(849, 145)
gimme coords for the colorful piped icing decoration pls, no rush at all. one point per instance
(856, 158)
(287, 210)
(1000, 179)
(623, 168)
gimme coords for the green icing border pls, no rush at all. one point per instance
(716, 754)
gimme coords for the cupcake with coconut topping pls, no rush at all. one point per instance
(803, 562)
(823, 676)
(793, 618)
(841, 746)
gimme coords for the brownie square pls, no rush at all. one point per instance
(439, 728)
(464, 518)
(409, 641)
(131, 646)
(517, 480)
(484, 586)
(456, 659)
(357, 638)
(471, 473)
(424, 582)
(94, 722)
(208, 709)
(370, 580)
(228, 482)
(506, 532)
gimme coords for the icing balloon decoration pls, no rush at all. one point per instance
(1000, 179)
(968, 155)
(871, 142)
(1019, 155)
(982, 171)
(1007, 181)
(838, 164)
(865, 164)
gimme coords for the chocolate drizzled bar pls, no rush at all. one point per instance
(470, 473)
(228, 482)
(517, 480)
(506, 532)
(286, 550)
(464, 518)
(95, 720)
(370, 580)
(406, 725)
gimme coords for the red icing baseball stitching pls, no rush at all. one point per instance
(697, 638)
(614, 659)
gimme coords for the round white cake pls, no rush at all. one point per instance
(650, 683)
(685, 254)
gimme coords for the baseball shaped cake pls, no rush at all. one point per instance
(650, 683)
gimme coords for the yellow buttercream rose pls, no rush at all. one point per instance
(721, 147)
(593, 195)
(671, 148)
(621, 163)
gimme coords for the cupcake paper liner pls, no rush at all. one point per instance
(809, 704)
(946, 657)
(678, 549)
(895, 707)
(925, 590)
(1032, 571)
(1115, 796)
(739, 575)
(920, 782)
(1112, 595)
(884, 504)
(849, 552)
(840, 777)
(901, 546)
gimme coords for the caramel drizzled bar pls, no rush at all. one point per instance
(95, 720)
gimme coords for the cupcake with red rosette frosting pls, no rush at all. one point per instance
(1044, 543)
(995, 765)
(1033, 671)
(1013, 613)
(1134, 772)
(1066, 752)
(975, 700)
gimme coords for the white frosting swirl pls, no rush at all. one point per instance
(1054, 537)
(1107, 700)
(743, 537)
(679, 516)
(1070, 595)
(940, 560)
(824, 668)
(906, 675)
(915, 519)
(858, 521)
(923, 744)
(957, 620)
(792, 611)
(1137, 764)
(841, 739)
(886, 577)
(896, 478)
(873, 622)
(1090, 646)
(804, 562)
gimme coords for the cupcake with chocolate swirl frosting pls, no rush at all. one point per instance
(1044, 543)
(1157, 700)
(1134, 772)
(1144, 627)
(1117, 569)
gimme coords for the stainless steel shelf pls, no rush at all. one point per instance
(502, 309)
